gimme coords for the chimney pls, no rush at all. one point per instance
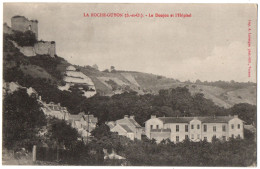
(132, 117)
(153, 116)
(105, 151)
(58, 104)
(40, 97)
(113, 151)
(126, 117)
(235, 116)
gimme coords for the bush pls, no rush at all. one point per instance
(27, 38)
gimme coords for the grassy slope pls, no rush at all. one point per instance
(144, 82)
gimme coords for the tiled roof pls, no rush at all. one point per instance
(206, 119)
(216, 119)
(91, 118)
(176, 119)
(134, 122)
(126, 128)
(75, 117)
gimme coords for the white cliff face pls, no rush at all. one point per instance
(74, 77)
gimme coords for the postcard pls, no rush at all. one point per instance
(129, 84)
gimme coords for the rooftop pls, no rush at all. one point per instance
(206, 119)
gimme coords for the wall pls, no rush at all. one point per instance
(7, 29)
(236, 131)
(195, 132)
(219, 133)
(45, 48)
(159, 136)
(152, 122)
(181, 132)
(20, 23)
(41, 48)
(122, 132)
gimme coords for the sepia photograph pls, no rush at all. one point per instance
(129, 84)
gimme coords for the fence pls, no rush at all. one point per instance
(69, 157)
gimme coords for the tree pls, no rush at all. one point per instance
(245, 111)
(112, 69)
(101, 131)
(22, 120)
(63, 133)
(95, 66)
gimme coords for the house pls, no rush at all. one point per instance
(127, 127)
(55, 110)
(83, 121)
(196, 129)
(112, 155)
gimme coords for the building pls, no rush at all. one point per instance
(55, 110)
(126, 127)
(196, 129)
(82, 121)
(23, 24)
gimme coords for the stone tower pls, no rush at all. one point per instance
(21, 23)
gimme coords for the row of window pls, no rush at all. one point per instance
(198, 127)
(205, 138)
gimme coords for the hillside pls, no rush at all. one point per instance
(53, 69)
(109, 83)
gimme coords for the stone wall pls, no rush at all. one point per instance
(20, 23)
(40, 48)
(7, 29)
(45, 48)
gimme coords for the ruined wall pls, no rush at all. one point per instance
(40, 48)
(45, 48)
(27, 50)
(7, 29)
(20, 23)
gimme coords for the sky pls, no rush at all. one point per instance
(210, 45)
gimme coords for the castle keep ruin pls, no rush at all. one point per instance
(22, 24)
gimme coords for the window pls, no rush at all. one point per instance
(198, 136)
(223, 127)
(205, 128)
(157, 126)
(177, 128)
(177, 139)
(186, 128)
(151, 126)
(214, 128)
(224, 138)
(232, 126)
(186, 137)
(238, 136)
(205, 138)
(232, 135)
(198, 126)
(192, 136)
(192, 127)
(238, 126)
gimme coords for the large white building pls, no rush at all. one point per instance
(196, 129)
